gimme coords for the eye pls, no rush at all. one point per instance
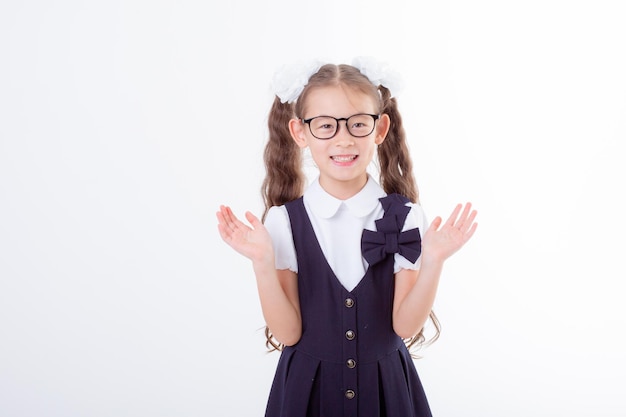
(323, 123)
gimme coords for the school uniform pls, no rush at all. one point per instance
(348, 362)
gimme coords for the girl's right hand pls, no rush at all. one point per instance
(253, 242)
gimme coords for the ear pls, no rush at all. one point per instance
(296, 128)
(382, 128)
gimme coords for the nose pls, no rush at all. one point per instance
(342, 136)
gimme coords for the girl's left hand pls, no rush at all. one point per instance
(440, 242)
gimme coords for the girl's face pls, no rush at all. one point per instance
(343, 159)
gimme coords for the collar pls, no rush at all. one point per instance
(326, 206)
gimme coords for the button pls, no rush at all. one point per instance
(350, 394)
(350, 335)
(349, 302)
(350, 363)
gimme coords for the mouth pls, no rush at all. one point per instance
(344, 158)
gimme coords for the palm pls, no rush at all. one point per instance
(252, 242)
(441, 241)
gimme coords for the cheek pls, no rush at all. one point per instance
(318, 150)
(370, 150)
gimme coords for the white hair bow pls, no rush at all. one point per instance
(289, 80)
(379, 73)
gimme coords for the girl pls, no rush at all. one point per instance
(345, 269)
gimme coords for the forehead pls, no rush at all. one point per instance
(339, 101)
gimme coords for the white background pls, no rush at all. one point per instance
(125, 124)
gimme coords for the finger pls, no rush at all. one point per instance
(455, 214)
(469, 222)
(225, 233)
(470, 232)
(233, 227)
(254, 221)
(233, 221)
(465, 213)
(466, 218)
(228, 214)
(221, 220)
(434, 225)
(225, 217)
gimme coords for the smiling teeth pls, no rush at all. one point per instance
(343, 158)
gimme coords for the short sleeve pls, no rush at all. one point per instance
(278, 225)
(415, 219)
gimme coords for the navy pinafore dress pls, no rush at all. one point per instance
(349, 362)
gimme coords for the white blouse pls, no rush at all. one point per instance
(338, 226)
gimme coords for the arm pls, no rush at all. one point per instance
(278, 289)
(415, 290)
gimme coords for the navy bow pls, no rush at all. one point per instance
(388, 239)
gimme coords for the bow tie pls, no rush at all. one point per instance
(387, 239)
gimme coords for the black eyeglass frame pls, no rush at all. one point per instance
(374, 116)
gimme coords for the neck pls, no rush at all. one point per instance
(343, 190)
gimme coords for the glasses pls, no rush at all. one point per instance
(326, 127)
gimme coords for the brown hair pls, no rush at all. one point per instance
(285, 179)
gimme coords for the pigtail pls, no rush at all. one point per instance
(396, 176)
(284, 179)
(419, 340)
(396, 168)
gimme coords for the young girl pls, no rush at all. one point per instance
(346, 269)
